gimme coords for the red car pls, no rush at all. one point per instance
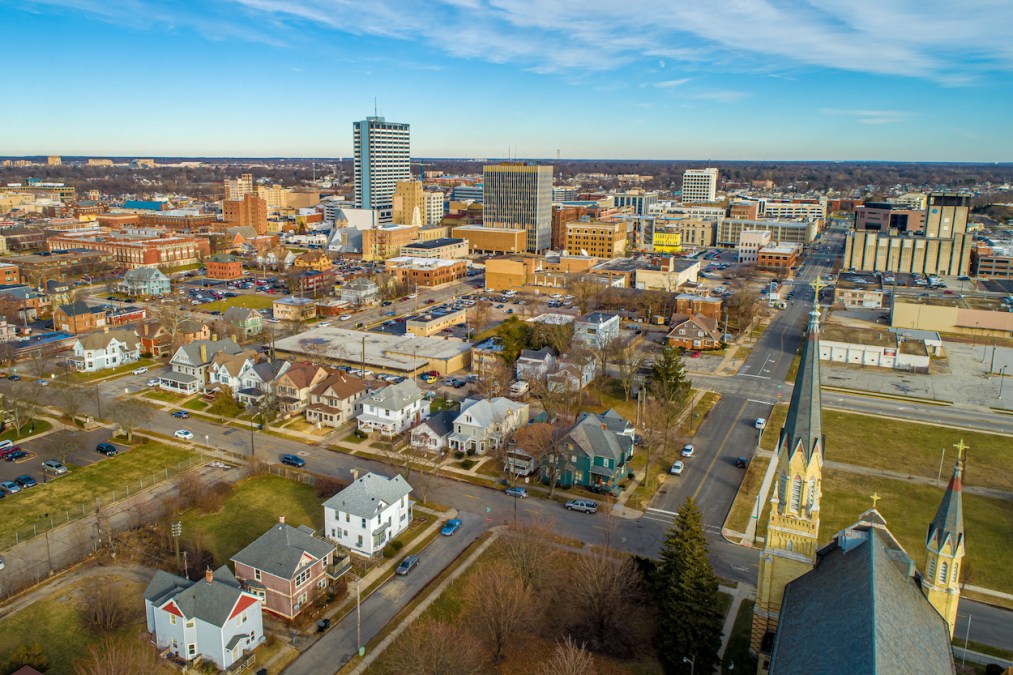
(694, 355)
(8, 451)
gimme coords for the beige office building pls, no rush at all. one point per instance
(871, 251)
(409, 203)
(236, 189)
(597, 239)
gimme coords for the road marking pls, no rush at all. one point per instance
(667, 513)
(753, 400)
(759, 377)
(717, 452)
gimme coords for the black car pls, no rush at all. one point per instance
(742, 462)
(407, 565)
(14, 378)
(107, 449)
(25, 481)
(293, 460)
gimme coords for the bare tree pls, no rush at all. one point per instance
(569, 658)
(121, 656)
(71, 399)
(430, 647)
(22, 404)
(499, 605)
(587, 291)
(7, 352)
(478, 315)
(494, 380)
(169, 317)
(603, 587)
(544, 442)
(528, 548)
(629, 359)
(39, 359)
(103, 608)
(129, 415)
(559, 336)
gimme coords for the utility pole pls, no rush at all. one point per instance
(358, 616)
(991, 366)
(177, 530)
(939, 476)
(49, 553)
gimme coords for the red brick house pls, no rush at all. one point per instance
(694, 332)
(286, 567)
(78, 317)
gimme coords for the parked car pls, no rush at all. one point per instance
(760, 423)
(14, 378)
(451, 527)
(293, 460)
(54, 467)
(183, 434)
(518, 492)
(687, 450)
(44, 383)
(153, 382)
(407, 565)
(10, 487)
(16, 455)
(26, 481)
(583, 505)
(107, 449)
(140, 371)
(676, 469)
(180, 414)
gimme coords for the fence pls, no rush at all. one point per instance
(69, 513)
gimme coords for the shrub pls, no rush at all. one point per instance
(397, 545)
(104, 609)
(471, 452)
(388, 551)
(360, 434)
(459, 454)
(468, 463)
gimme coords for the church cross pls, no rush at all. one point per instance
(875, 498)
(818, 286)
(961, 446)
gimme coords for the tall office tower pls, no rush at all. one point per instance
(54, 160)
(520, 195)
(381, 161)
(699, 186)
(409, 203)
(236, 189)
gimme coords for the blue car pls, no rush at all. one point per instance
(10, 487)
(293, 460)
(451, 527)
(25, 481)
(518, 492)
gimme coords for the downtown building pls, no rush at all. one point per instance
(699, 186)
(382, 160)
(519, 195)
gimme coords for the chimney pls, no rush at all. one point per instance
(281, 520)
(209, 576)
(214, 337)
(105, 329)
(604, 427)
(203, 353)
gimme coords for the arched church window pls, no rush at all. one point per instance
(943, 569)
(931, 573)
(796, 493)
(782, 487)
(956, 566)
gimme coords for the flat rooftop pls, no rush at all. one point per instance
(869, 282)
(938, 299)
(435, 243)
(384, 351)
(858, 336)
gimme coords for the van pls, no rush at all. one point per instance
(519, 388)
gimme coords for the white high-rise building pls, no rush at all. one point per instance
(699, 186)
(236, 189)
(381, 161)
(434, 207)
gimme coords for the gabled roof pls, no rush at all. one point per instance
(589, 436)
(396, 396)
(233, 363)
(442, 422)
(367, 495)
(704, 323)
(79, 308)
(101, 340)
(211, 348)
(282, 551)
(537, 354)
(144, 274)
(803, 426)
(190, 326)
(487, 412)
(613, 421)
(150, 328)
(340, 384)
(240, 314)
(862, 607)
(211, 602)
(303, 374)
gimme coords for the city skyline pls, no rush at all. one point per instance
(812, 81)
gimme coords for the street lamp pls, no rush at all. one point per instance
(691, 660)
(1002, 376)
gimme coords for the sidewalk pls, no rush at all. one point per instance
(739, 593)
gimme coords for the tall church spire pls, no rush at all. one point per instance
(944, 546)
(793, 522)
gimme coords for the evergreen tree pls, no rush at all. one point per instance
(667, 381)
(30, 654)
(686, 592)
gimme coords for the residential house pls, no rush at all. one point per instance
(107, 349)
(360, 291)
(485, 424)
(433, 434)
(312, 260)
(535, 365)
(294, 309)
(248, 322)
(596, 329)
(78, 317)
(313, 283)
(191, 362)
(694, 332)
(393, 409)
(614, 422)
(191, 330)
(145, 281)
(213, 618)
(592, 456)
(28, 303)
(8, 332)
(59, 291)
(155, 340)
(573, 372)
(276, 257)
(293, 387)
(368, 513)
(248, 374)
(286, 567)
(336, 399)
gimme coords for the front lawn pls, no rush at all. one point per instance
(80, 378)
(251, 508)
(76, 492)
(258, 301)
(56, 625)
(165, 396)
(737, 658)
(744, 506)
(32, 428)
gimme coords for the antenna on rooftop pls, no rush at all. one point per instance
(375, 114)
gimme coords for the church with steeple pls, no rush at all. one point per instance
(858, 603)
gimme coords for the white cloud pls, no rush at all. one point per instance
(672, 83)
(721, 96)
(870, 116)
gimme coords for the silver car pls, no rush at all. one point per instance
(583, 505)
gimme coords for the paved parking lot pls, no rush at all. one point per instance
(74, 447)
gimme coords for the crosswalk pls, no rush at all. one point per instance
(668, 517)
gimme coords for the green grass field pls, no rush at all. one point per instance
(259, 301)
(252, 507)
(55, 624)
(33, 428)
(83, 485)
(737, 658)
(80, 378)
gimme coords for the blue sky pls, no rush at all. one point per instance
(919, 80)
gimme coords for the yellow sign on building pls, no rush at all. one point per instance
(668, 242)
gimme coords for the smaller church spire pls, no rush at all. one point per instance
(949, 521)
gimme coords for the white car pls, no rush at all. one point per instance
(323, 324)
(153, 381)
(677, 468)
(556, 296)
(413, 295)
(183, 434)
(687, 450)
(346, 317)
(140, 371)
(760, 423)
